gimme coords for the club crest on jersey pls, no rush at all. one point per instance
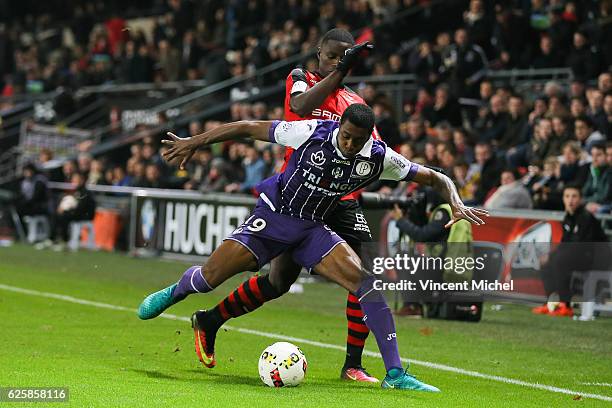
(317, 158)
(362, 169)
(337, 172)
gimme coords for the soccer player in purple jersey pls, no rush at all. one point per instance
(331, 160)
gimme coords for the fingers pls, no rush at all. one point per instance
(174, 138)
(471, 217)
(450, 223)
(185, 160)
(479, 211)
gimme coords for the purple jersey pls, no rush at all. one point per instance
(318, 175)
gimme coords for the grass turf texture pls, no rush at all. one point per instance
(110, 358)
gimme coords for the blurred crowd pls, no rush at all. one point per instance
(215, 40)
(505, 148)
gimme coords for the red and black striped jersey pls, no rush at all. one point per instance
(332, 108)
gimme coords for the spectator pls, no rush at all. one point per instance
(595, 110)
(120, 178)
(76, 206)
(597, 192)
(153, 177)
(215, 181)
(416, 135)
(492, 126)
(571, 172)
(516, 126)
(548, 56)
(583, 58)
(546, 190)
(254, 168)
(96, 173)
(486, 170)
(34, 196)
(465, 65)
(510, 194)
(443, 109)
(464, 151)
(426, 65)
(585, 133)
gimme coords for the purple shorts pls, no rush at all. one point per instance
(268, 234)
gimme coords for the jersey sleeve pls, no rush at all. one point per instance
(292, 134)
(296, 82)
(397, 167)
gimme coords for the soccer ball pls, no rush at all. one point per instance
(282, 365)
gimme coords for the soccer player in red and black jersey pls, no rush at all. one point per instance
(309, 95)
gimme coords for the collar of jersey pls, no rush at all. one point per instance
(366, 150)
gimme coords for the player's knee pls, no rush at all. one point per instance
(212, 273)
(279, 283)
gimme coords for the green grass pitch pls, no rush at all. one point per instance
(109, 358)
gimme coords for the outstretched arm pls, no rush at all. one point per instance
(181, 149)
(397, 167)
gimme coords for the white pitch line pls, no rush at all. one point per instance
(428, 364)
(598, 384)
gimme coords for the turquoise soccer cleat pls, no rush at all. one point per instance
(396, 378)
(155, 304)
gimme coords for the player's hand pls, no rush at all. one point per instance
(181, 149)
(471, 214)
(352, 55)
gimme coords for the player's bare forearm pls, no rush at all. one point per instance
(256, 130)
(305, 102)
(447, 190)
(182, 149)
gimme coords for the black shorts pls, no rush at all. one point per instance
(348, 221)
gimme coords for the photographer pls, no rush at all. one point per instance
(436, 234)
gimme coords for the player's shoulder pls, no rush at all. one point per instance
(353, 94)
(379, 147)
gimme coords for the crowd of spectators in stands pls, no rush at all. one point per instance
(215, 40)
(505, 149)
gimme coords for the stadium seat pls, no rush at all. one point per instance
(592, 301)
(76, 228)
(38, 228)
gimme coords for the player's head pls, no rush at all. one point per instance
(356, 126)
(332, 47)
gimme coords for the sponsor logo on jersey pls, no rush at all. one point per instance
(325, 114)
(339, 161)
(399, 163)
(337, 172)
(286, 126)
(362, 169)
(317, 158)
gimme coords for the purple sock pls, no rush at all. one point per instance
(378, 318)
(192, 281)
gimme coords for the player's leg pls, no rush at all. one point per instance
(226, 261)
(349, 222)
(343, 266)
(249, 296)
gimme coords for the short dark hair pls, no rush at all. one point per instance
(359, 115)
(599, 146)
(573, 186)
(338, 34)
(587, 121)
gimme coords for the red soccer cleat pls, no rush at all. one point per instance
(541, 309)
(563, 311)
(357, 374)
(204, 345)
